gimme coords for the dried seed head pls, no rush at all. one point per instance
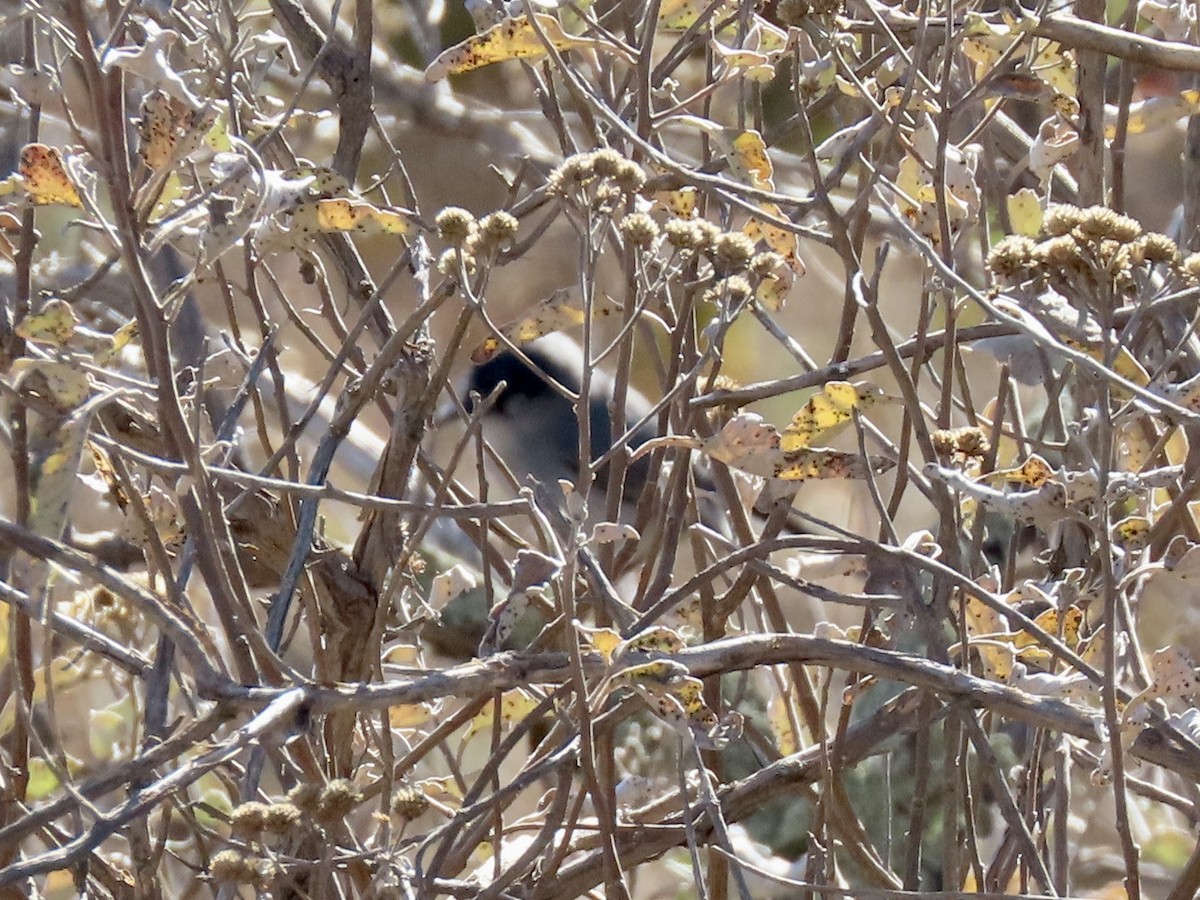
(607, 162)
(1153, 247)
(971, 441)
(763, 264)
(1060, 219)
(732, 251)
(1191, 266)
(233, 867)
(249, 819)
(306, 797)
(280, 818)
(455, 225)
(336, 801)
(735, 289)
(708, 233)
(447, 263)
(1060, 253)
(499, 227)
(1102, 222)
(639, 229)
(409, 802)
(943, 441)
(683, 234)
(574, 172)
(629, 177)
(1011, 256)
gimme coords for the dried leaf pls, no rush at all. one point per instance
(679, 15)
(456, 580)
(555, 314)
(170, 130)
(53, 324)
(1025, 212)
(45, 177)
(515, 705)
(826, 410)
(513, 38)
(342, 214)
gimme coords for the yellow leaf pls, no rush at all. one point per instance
(1132, 533)
(680, 203)
(603, 640)
(53, 324)
(1065, 626)
(555, 314)
(997, 658)
(679, 15)
(983, 619)
(653, 640)
(773, 289)
(827, 409)
(341, 214)
(756, 65)
(45, 177)
(804, 465)
(515, 705)
(169, 129)
(782, 241)
(409, 715)
(1025, 212)
(749, 162)
(1034, 472)
(513, 38)
(61, 383)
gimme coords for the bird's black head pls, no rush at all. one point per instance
(521, 380)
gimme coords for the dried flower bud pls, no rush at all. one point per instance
(607, 162)
(732, 251)
(629, 177)
(1102, 222)
(455, 225)
(763, 264)
(336, 801)
(447, 263)
(248, 819)
(1153, 247)
(1011, 256)
(280, 818)
(683, 234)
(409, 802)
(499, 226)
(735, 289)
(574, 172)
(1060, 253)
(1060, 219)
(233, 867)
(306, 797)
(639, 229)
(1191, 266)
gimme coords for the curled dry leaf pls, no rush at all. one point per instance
(456, 580)
(170, 130)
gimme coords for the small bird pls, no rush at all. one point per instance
(535, 429)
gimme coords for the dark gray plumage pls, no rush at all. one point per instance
(534, 428)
